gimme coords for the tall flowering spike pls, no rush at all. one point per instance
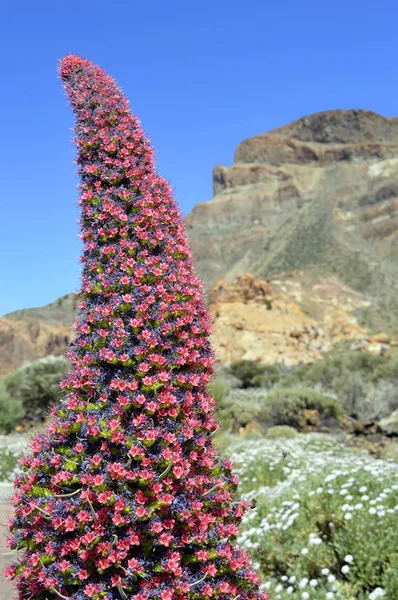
(123, 497)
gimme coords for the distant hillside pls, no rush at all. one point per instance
(321, 191)
(61, 311)
(28, 334)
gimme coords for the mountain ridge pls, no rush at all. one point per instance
(322, 190)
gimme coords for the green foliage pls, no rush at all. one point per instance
(270, 376)
(281, 431)
(36, 385)
(246, 371)
(218, 389)
(223, 440)
(365, 383)
(286, 406)
(240, 407)
(253, 374)
(11, 411)
(337, 365)
(281, 406)
(225, 375)
(387, 368)
(390, 450)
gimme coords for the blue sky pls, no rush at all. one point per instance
(201, 76)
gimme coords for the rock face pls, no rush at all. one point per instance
(321, 191)
(389, 425)
(293, 318)
(26, 335)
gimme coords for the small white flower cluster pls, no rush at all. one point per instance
(377, 593)
(11, 448)
(313, 469)
(304, 586)
(15, 444)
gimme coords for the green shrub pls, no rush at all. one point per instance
(365, 384)
(286, 406)
(281, 431)
(369, 401)
(246, 371)
(12, 447)
(225, 375)
(36, 384)
(388, 369)
(11, 411)
(223, 440)
(270, 376)
(330, 372)
(218, 389)
(240, 407)
(254, 374)
(390, 450)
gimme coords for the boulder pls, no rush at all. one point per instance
(389, 425)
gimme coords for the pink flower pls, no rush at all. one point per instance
(133, 564)
(113, 424)
(115, 580)
(98, 480)
(88, 538)
(9, 572)
(134, 451)
(118, 519)
(69, 524)
(165, 539)
(34, 559)
(90, 590)
(64, 565)
(97, 459)
(157, 527)
(178, 472)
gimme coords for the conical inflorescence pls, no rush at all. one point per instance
(123, 496)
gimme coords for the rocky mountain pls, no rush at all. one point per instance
(321, 191)
(311, 210)
(292, 318)
(29, 334)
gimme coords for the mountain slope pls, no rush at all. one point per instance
(323, 191)
(29, 334)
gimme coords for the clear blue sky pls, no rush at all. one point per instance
(202, 76)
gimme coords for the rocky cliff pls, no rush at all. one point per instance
(292, 318)
(321, 191)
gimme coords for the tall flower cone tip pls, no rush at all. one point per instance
(123, 496)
